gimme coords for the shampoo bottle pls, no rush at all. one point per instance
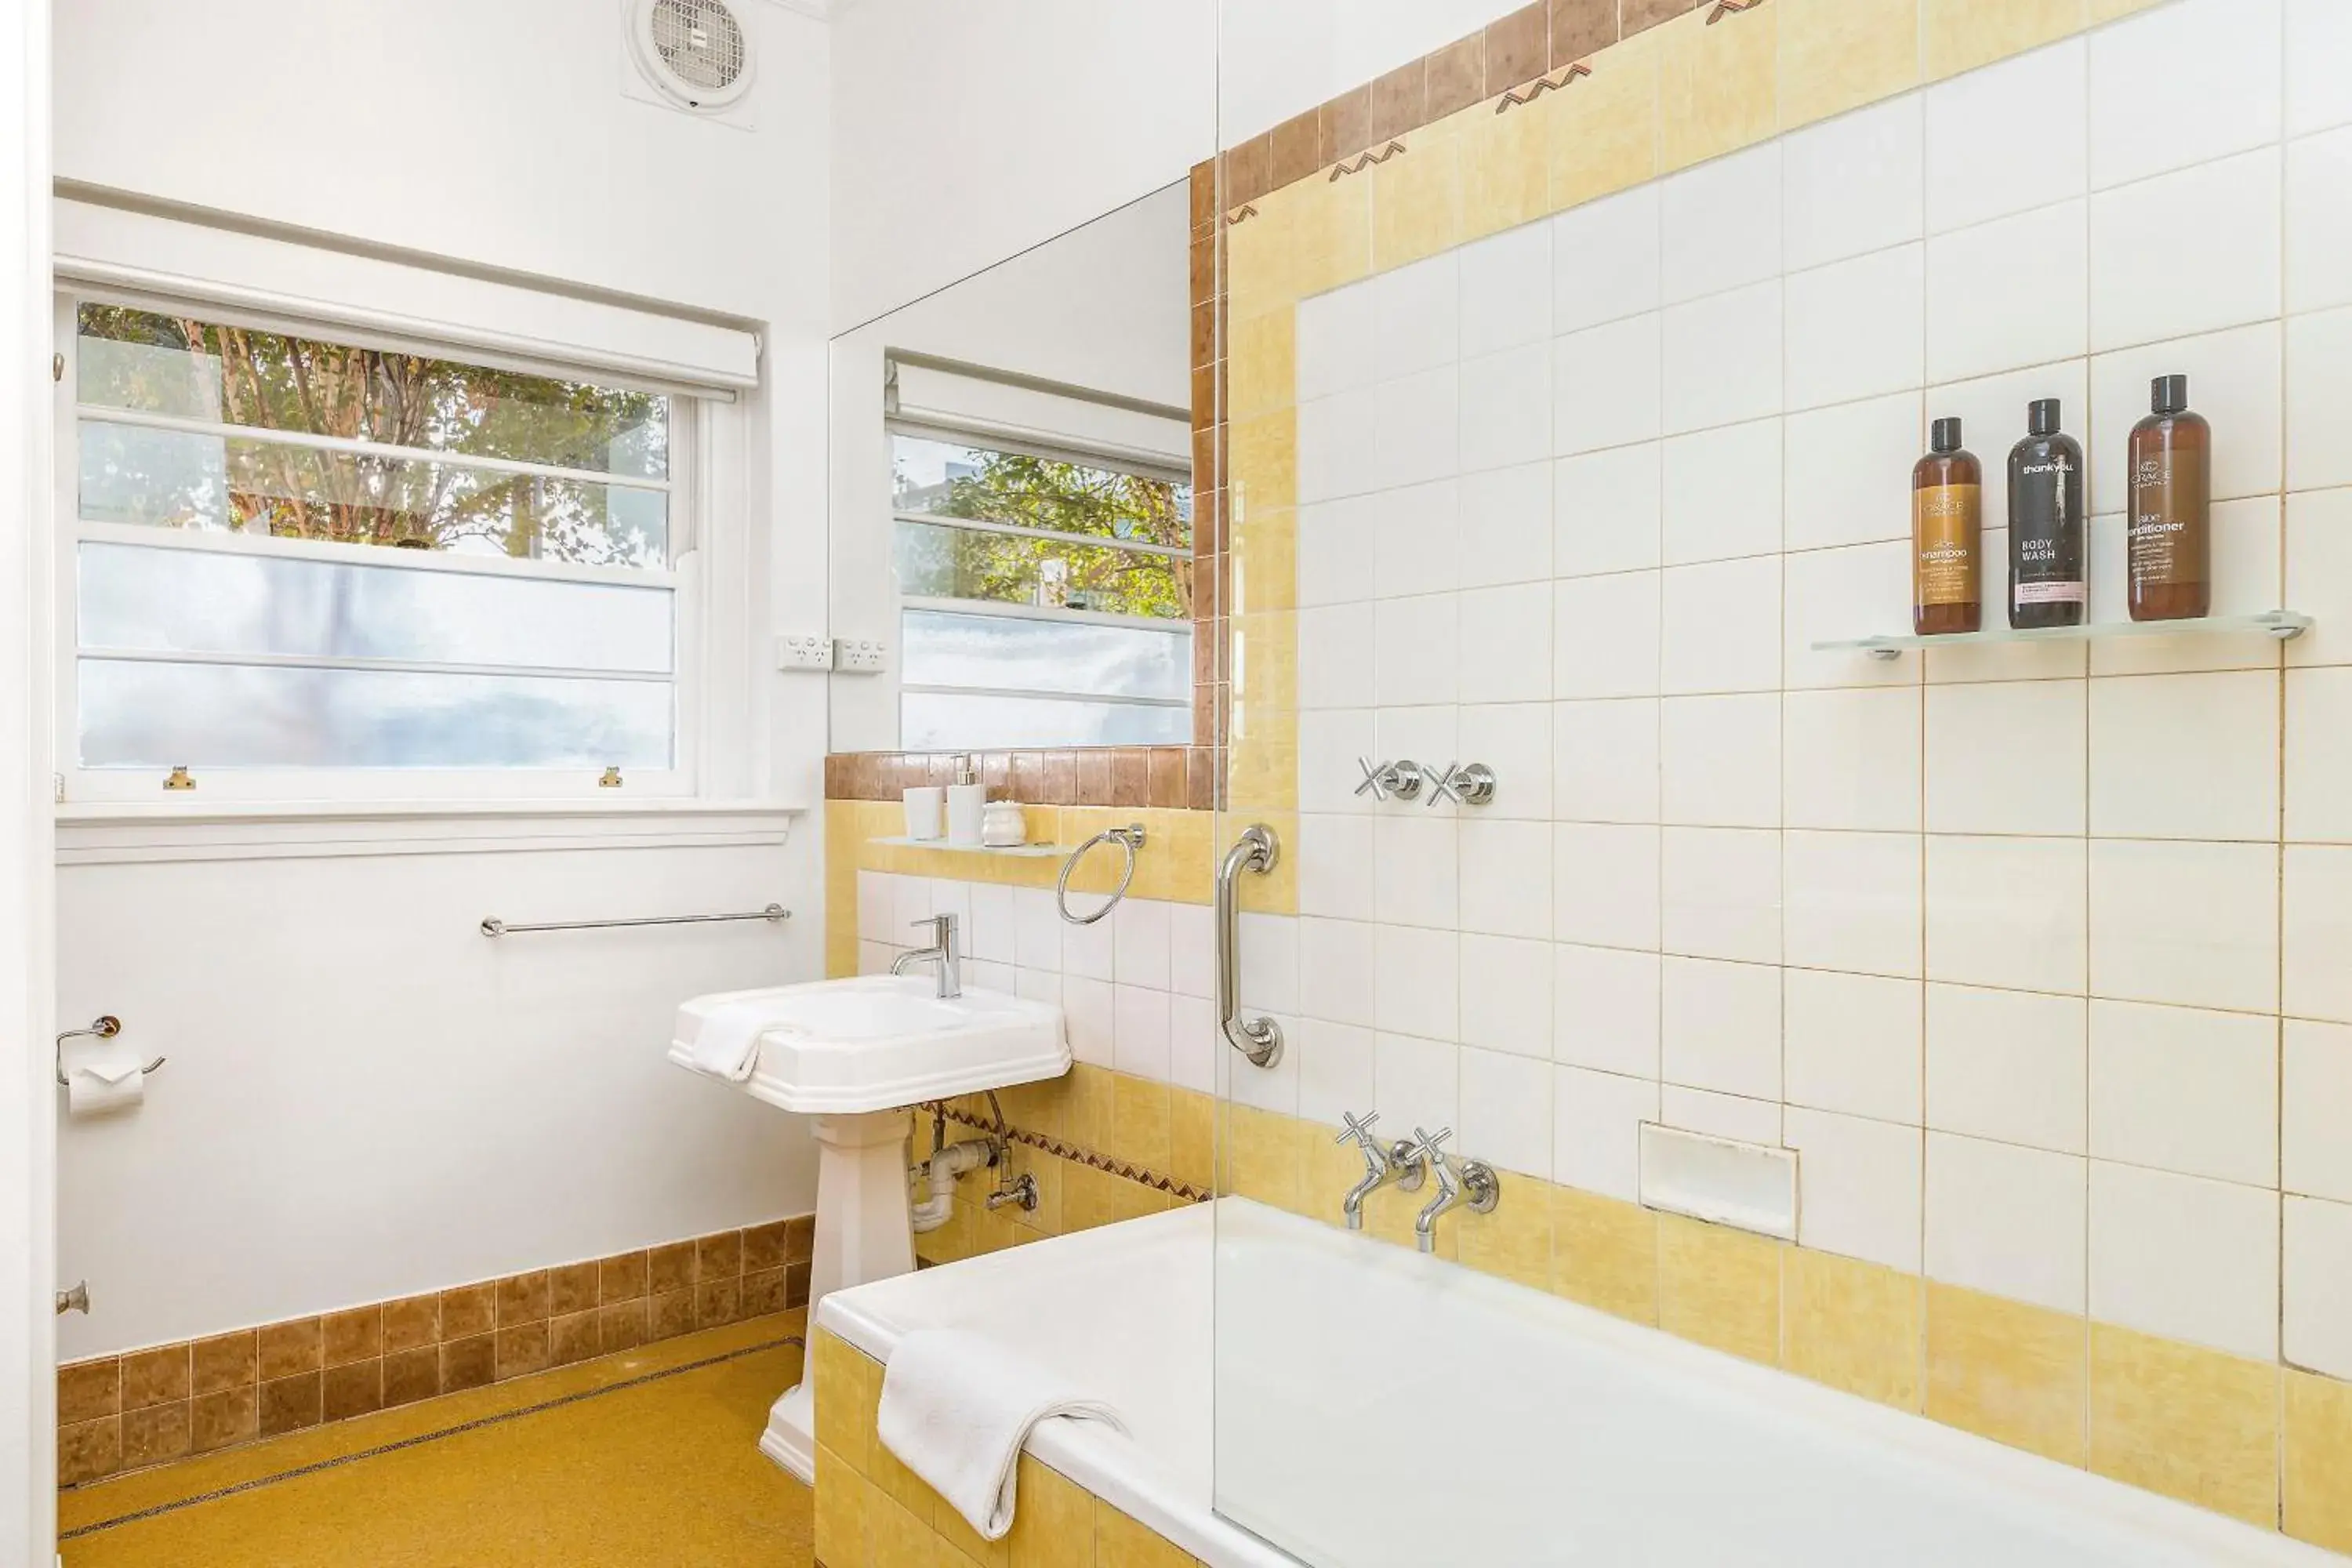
(1946, 536)
(2168, 541)
(2045, 523)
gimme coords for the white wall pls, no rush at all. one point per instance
(966, 130)
(366, 1098)
(27, 1388)
(402, 1105)
(1105, 307)
(496, 134)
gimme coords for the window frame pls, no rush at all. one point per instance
(686, 485)
(977, 433)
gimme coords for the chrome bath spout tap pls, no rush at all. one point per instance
(1474, 1178)
(1395, 1163)
(942, 951)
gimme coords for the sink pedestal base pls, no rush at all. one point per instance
(863, 1232)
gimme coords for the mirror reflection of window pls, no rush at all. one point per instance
(1047, 597)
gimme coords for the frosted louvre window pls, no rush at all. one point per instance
(158, 715)
(1009, 680)
(1048, 597)
(975, 523)
(197, 424)
(935, 722)
(298, 555)
(165, 601)
(1081, 658)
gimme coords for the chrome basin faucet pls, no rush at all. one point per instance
(942, 952)
(1395, 1163)
(1474, 1178)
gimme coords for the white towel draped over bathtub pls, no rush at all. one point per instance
(728, 1043)
(957, 1406)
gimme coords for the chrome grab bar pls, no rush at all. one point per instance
(495, 926)
(1260, 1039)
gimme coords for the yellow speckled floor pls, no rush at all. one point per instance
(663, 1471)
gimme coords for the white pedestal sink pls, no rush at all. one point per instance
(854, 1054)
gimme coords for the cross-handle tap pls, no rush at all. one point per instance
(1465, 784)
(1382, 1164)
(1401, 779)
(1473, 1177)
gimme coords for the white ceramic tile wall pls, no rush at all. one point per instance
(1137, 988)
(2034, 953)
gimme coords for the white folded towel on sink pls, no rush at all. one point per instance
(957, 1406)
(728, 1045)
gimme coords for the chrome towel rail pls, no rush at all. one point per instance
(1260, 1039)
(495, 926)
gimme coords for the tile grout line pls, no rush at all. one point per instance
(420, 1439)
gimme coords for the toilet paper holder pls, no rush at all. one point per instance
(104, 1027)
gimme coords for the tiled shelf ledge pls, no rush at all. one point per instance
(1028, 851)
(2283, 625)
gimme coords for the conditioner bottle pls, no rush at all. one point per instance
(2045, 523)
(1946, 536)
(2168, 540)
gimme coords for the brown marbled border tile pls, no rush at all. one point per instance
(150, 1406)
(1175, 777)
(1508, 52)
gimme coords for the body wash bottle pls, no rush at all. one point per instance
(2168, 540)
(1946, 536)
(2045, 523)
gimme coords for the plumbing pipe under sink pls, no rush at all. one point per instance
(943, 1167)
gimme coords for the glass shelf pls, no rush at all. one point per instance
(2283, 625)
(1034, 851)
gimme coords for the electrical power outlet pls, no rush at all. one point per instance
(860, 655)
(804, 651)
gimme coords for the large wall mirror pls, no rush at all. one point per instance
(1013, 502)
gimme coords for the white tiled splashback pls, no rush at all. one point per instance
(2000, 938)
(1137, 988)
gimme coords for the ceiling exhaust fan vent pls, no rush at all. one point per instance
(695, 52)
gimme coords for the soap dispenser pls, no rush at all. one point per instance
(967, 804)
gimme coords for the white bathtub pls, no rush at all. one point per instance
(1370, 1406)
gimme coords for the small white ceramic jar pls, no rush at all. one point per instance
(1003, 825)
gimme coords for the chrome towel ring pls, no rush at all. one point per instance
(1130, 838)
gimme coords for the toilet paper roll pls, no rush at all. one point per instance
(101, 1088)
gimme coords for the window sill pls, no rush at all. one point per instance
(126, 832)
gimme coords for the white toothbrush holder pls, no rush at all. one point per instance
(924, 804)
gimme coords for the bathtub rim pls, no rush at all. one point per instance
(1120, 1471)
(1105, 1462)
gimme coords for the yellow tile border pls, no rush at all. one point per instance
(2171, 1417)
(1704, 85)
